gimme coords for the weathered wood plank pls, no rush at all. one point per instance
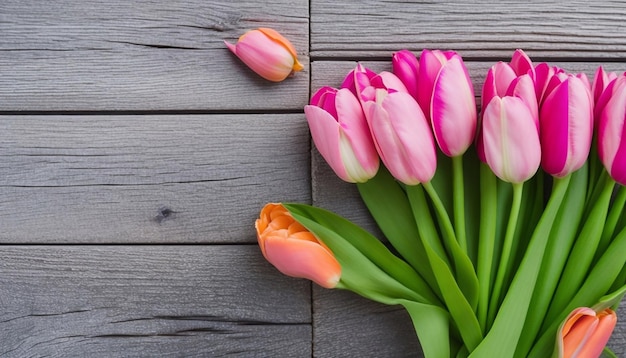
(576, 29)
(347, 325)
(142, 55)
(97, 301)
(187, 178)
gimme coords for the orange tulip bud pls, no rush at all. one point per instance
(267, 53)
(294, 250)
(585, 333)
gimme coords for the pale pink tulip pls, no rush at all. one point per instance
(511, 139)
(267, 53)
(566, 126)
(612, 130)
(402, 136)
(585, 333)
(294, 250)
(341, 134)
(406, 67)
(453, 108)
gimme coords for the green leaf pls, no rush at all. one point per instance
(390, 208)
(432, 327)
(360, 254)
(509, 322)
(458, 305)
(596, 285)
(584, 249)
(607, 353)
(562, 234)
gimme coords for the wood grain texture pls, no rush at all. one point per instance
(149, 179)
(170, 301)
(575, 29)
(75, 55)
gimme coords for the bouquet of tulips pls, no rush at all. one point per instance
(506, 227)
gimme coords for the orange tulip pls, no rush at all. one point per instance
(267, 53)
(294, 250)
(584, 333)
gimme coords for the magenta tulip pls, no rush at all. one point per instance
(402, 136)
(612, 131)
(566, 126)
(267, 53)
(511, 139)
(406, 67)
(543, 74)
(601, 80)
(341, 134)
(521, 64)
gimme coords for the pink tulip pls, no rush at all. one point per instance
(453, 109)
(566, 126)
(363, 81)
(267, 53)
(601, 80)
(294, 250)
(341, 134)
(430, 64)
(402, 136)
(522, 65)
(406, 67)
(612, 131)
(543, 74)
(358, 79)
(585, 333)
(511, 139)
(497, 82)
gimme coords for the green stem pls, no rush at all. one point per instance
(442, 213)
(611, 221)
(509, 322)
(459, 201)
(506, 251)
(488, 212)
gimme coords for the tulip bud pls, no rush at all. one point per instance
(543, 74)
(453, 108)
(358, 79)
(511, 139)
(267, 53)
(402, 136)
(601, 80)
(585, 333)
(612, 130)
(406, 67)
(294, 250)
(341, 134)
(566, 127)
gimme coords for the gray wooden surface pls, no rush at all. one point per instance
(136, 151)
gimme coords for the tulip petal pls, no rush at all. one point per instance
(267, 58)
(511, 139)
(358, 138)
(453, 109)
(521, 63)
(403, 138)
(303, 259)
(607, 320)
(325, 133)
(566, 125)
(406, 67)
(277, 37)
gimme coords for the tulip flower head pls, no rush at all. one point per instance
(612, 130)
(446, 91)
(566, 126)
(341, 134)
(267, 53)
(511, 139)
(585, 333)
(402, 136)
(522, 64)
(294, 250)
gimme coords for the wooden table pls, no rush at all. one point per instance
(136, 152)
